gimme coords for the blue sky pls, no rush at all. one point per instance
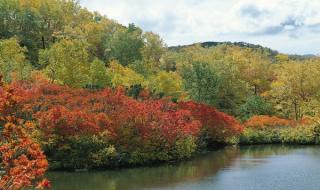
(289, 26)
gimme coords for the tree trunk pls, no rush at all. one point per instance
(296, 110)
(43, 43)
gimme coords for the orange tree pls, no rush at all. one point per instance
(23, 164)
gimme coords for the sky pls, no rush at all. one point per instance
(289, 26)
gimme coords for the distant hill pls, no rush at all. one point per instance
(271, 52)
(213, 44)
(300, 57)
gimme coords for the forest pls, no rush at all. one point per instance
(81, 91)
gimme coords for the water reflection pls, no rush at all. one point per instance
(204, 172)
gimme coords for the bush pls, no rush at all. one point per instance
(22, 162)
(185, 147)
(221, 128)
(140, 131)
(263, 121)
(300, 135)
(82, 152)
(81, 128)
(272, 130)
(261, 136)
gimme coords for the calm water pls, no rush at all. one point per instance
(245, 168)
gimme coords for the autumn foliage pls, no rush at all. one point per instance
(23, 164)
(220, 126)
(262, 121)
(135, 130)
(264, 129)
(79, 111)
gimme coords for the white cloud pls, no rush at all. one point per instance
(291, 26)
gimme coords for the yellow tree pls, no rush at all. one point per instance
(13, 61)
(296, 89)
(166, 84)
(123, 76)
(98, 77)
(254, 66)
(66, 62)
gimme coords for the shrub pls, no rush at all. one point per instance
(91, 151)
(221, 128)
(261, 136)
(22, 162)
(262, 121)
(185, 147)
(300, 135)
(141, 131)
(267, 130)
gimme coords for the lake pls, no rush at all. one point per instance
(264, 167)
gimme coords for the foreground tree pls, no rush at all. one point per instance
(23, 164)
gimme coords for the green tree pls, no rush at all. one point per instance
(66, 62)
(254, 66)
(255, 105)
(153, 50)
(98, 77)
(151, 53)
(13, 61)
(201, 82)
(125, 45)
(40, 23)
(168, 61)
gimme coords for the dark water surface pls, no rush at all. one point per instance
(232, 168)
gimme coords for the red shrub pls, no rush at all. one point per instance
(220, 126)
(65, 112)
(22, 160)
(63, 122)
(155, 119)
(129, 123)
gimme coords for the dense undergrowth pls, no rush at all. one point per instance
(81, 128)
(273, 130)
